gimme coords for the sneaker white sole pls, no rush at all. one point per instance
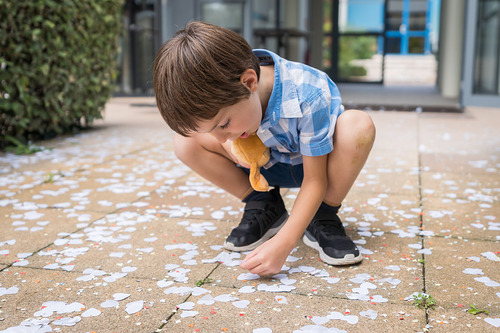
(268, 235)
(349, 259)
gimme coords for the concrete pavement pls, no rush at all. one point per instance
(106, 231)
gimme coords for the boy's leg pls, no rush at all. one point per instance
(213, 161)
(353, 140)
(264, 213)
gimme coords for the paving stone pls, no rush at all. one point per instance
(471, 219)
(386, 180)
(139, 244)
(389, 273)
(465, 163)
(111, 210)
(198, 199)
(30, 229)
(39, 290)
(444, 320)
(464, 272)
(233, 311)
(461, 187)
(375, 212)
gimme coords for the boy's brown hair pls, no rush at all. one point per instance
(197, 72)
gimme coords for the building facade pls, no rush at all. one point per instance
(451, 44)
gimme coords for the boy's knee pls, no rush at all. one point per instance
(361, 124)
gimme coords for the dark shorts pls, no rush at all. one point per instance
(282, 175)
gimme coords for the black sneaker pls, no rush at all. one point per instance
(326, 234)
(261, 221)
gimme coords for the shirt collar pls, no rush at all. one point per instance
(280, 105)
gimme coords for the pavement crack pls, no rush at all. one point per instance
(421, 219)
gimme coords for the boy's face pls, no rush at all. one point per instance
(238, 120)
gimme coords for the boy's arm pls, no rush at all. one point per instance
(268, 258)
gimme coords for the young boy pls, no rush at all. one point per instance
(212, 88)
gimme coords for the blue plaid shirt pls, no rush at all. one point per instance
(301, 113)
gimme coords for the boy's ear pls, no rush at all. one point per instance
(249, 80)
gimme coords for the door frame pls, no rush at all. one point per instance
(335, 35)
(468, 97)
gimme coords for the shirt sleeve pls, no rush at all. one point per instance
(317, 125)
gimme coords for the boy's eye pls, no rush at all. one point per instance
(226, 125)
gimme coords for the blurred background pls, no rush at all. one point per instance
(443, 51)
(60, 61)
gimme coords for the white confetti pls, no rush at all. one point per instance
(246, 289)
(186, 314)
(206, 300)
(372, 314)
(487, 281)
(339, 316)
(9, 291)
(393, 268)
(280, 299)
(134, 307)
(243, 304)
(248, 277)
(490, 256)
(473, 271)
(120, 296)
(320, 320)
(332, 280)
(186, 306)
(67, 321)
(493, 321)
(92, 312)
(262, 330)
(109, 304)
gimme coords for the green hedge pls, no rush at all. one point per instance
(57, 65)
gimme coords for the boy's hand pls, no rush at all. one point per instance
(267, 259)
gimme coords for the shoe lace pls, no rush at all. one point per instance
(330, 227)
(262, 217)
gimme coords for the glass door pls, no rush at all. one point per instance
(481, 81)
(353, 40)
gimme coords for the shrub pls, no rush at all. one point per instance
(57, 65)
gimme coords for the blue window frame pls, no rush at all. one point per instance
(402, 35)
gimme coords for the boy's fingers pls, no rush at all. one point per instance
(250, 262)
(251, 267)
(249, 256)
